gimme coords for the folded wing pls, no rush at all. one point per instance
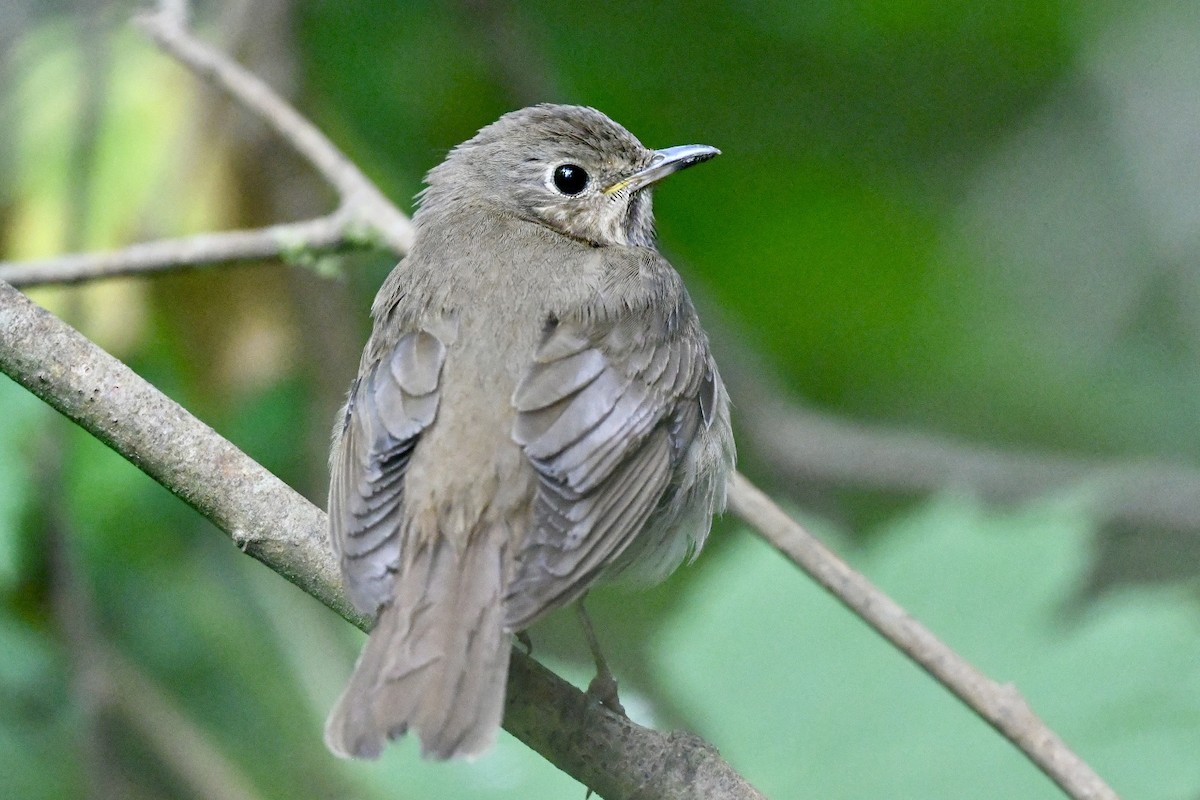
(389, 405)
(605, 414)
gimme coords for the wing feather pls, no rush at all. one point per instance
(578, 537)
(562, 426)
(551, 381)
(605, 414)
(388, 408)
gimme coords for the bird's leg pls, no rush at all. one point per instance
(526, 642)
(603, 687)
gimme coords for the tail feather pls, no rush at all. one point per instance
(437, 660)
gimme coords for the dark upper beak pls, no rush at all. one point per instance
(664, 163)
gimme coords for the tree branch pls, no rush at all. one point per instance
(274, 524)
(364, 215)
(1000, 705)
(324, 234)
(802, 445)
(356, 191)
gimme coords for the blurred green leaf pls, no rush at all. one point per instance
(805, 699)
(23, 415)
(36, 718)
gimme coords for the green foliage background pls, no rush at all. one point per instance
(977, 218)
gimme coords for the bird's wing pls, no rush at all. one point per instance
(391, 402)
(605, 413)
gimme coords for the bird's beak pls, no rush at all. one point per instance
(664, 163)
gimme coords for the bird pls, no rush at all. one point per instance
(537, 409)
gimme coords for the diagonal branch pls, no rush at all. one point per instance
(274, 524)
(364, 216)
(355, 190)
(1002, 706)
(802, 445)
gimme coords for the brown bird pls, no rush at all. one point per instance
(536, 409)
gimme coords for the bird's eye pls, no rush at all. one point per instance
(570, 179)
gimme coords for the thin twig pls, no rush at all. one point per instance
(365, 215)
(271, 522)
(323, 234)
(171, 733)
(74, 612)
(802, 445)
(1000, 705)
(356, 191)
(104, 682)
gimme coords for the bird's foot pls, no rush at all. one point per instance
(603, 688)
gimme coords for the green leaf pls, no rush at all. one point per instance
(807, 701)
(22, 413)
(35, 718)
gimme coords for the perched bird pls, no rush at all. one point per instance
(536, 410)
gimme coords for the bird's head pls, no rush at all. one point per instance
(569, 168)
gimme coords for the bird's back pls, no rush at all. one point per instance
(466, 467)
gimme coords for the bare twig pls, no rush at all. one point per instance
(171, 734)
(74, 611)
(357, 192)
(104, 682)
(364, 216)
(801, 444)
(277, 526)
(1001, 705)
(312, 236)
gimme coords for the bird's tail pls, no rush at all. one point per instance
(437, 659)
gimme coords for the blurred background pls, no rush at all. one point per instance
(975, 223)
